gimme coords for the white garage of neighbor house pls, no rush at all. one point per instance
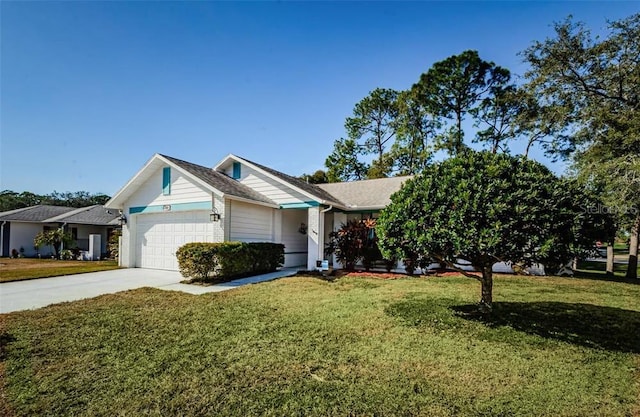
(170, 202)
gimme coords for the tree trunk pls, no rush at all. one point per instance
(610, 259)
(494, 149)
(632, 268)
(486, 302)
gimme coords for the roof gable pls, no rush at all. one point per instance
(220, 181)
(208, 178)
(310, 190)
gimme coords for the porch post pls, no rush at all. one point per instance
(315, 236)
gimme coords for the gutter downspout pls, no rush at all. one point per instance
(327, 209)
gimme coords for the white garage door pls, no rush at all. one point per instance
(159, 235)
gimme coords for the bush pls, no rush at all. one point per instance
(203, 261)
(354, 242)
(369, 256)
(55, 238)
(113, 246)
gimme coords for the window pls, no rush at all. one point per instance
(166, 181)
(74, 233)
(236, 170)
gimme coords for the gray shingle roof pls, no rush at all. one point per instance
(34, 213)
(312, 189)
(367, 193)
(220, 181)
(95, 215)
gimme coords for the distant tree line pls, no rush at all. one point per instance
(11, 200)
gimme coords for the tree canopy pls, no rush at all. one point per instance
(396, 132)
(454, 87)
(485, 208)
(594, 83)
(318, 177)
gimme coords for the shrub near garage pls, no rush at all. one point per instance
(204, 261)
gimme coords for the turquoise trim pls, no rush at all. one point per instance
(166, 180)
(202, 205)
(237, 173)
(306, 204)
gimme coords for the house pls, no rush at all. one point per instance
(19, 227)
(170, 202)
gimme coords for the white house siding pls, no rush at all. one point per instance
(268, 186)
(159, 235)
(21, 235)
(250, 223)
(183, 190)
(295, 243)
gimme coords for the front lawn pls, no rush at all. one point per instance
(24, 268)
(357, 346)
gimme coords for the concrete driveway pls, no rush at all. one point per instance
(36, 293)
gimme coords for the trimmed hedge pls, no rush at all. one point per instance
(202, 260)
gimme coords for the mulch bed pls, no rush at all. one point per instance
(394, 275)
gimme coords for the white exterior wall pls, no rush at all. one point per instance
(251, 223)
(22, 235)
(183, 190)
(127, 253)
(295, 243)
(267, 186)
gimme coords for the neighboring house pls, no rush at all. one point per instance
(170, 202)
(19, 227)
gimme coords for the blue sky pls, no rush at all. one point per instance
(91, 90)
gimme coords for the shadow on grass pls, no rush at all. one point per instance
(601, 276)
(598, 327)
(596, 270)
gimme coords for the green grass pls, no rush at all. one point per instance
(24, 269)
(303, 346)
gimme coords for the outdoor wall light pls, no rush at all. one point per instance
(122, 219)
(214, 216)
(302, 229)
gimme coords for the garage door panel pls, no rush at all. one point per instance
(159, 236)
